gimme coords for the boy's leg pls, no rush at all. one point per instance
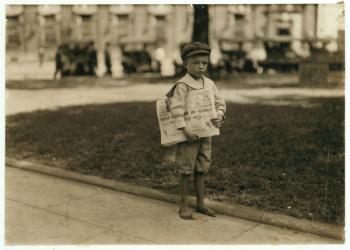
(185, 212)
(202, 167)
(186, 157)
(199, 179)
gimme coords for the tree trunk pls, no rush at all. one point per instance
(201, 23)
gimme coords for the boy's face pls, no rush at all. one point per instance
(197, 65)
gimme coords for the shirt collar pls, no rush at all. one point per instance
(191, 82)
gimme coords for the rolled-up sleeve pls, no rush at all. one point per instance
(177, 105)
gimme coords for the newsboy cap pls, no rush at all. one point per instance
(195, 48)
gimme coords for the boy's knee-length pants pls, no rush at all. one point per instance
(194, 156)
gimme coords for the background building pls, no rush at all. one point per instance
(149, 37)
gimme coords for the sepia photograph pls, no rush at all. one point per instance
(174, 124)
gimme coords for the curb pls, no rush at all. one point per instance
(235, 210)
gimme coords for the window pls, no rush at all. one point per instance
(240, 26)
(239, 17)
(123, 25)
(160, 27)
(86, 26)
(49, 29)
(283, 32)
(13, 39)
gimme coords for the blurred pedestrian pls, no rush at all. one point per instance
(41, 55)
(92, 59)
(257, 54)
(66, 59)
(59, 61)
(80, 59)
(71, 65)
(108, 61)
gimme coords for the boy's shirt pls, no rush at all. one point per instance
(179, 93)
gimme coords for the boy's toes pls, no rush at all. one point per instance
(186, 215)
(206, 211)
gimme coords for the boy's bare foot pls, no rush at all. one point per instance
(206, 211)
(185, 214)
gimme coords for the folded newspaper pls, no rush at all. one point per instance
(199, 110)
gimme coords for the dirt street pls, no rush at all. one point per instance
(24, 100)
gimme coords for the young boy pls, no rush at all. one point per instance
(194, 155)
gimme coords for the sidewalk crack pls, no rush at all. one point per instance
(247, 230)
(55, 212)
(106, 229)
(120, 232)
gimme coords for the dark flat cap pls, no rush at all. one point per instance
(195, 48)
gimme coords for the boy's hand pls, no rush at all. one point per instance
(218, 121)
(189, 134)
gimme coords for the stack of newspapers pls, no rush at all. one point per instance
(199, 110)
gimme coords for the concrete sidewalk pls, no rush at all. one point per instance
(42, 209)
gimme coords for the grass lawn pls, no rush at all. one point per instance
(287, 159)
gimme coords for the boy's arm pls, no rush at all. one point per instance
(177, 105)
(177, 108)
(220, 105)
